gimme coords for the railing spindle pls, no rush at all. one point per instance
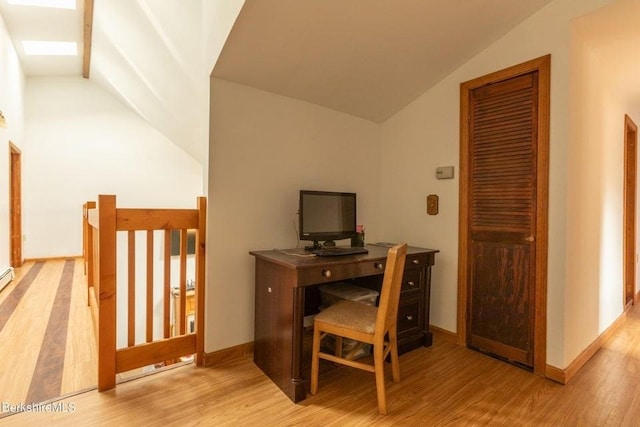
(167, 283)
(131, 288)
(150, 286)
(183, 281)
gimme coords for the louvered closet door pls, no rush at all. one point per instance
(502, 126)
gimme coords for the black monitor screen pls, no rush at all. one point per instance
(327, 215)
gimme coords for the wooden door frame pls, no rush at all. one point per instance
(629, 212)
(543, 66)
(15, 204)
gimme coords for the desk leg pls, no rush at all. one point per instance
(427, 340)
(299, 383)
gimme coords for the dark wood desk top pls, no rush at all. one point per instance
(300, 259)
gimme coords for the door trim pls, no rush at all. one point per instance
(543, 66)
(629, 211)
(15, 204)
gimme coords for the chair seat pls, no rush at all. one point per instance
(353, 315)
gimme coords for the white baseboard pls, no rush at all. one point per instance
(6, 276)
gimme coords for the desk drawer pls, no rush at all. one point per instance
(412, 280)
(419, 260)
(409, 317)
(334, 272)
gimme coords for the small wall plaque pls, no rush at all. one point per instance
(432, 204)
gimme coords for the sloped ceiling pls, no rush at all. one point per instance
(368, 58)
(150, 54)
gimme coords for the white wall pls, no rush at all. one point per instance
(81, 142)
(596, 172)
(265, 148)
(12, 106)
(218, 19)
(426, 134)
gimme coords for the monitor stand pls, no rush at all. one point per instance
(317, 245)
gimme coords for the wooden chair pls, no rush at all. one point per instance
(366, 324)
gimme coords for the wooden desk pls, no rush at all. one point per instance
(286, 291)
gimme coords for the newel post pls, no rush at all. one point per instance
(201, 260)
(107, 292)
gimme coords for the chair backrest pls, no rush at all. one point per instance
(390, 293)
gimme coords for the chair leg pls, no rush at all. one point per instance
(338, 351)
(315, 360)
(393, 352)
(378, 361)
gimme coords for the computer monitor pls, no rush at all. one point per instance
(326, 216)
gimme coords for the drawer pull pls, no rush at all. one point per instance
(378, 265)
(409, 318)
(411, 283)
(415, 261)
(269, 289)
(326, 273)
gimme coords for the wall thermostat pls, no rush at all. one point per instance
(444, 172)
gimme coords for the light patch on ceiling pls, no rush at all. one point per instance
(60, 4)
(32, 47)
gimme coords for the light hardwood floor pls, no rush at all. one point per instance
(30, 330)
(441, 386)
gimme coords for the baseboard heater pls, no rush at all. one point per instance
(5, 277)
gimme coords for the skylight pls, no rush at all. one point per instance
(50, 48)
(60, 4)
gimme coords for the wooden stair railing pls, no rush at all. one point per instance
(103, 227)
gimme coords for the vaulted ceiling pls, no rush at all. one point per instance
(367, 58)
(149, 53)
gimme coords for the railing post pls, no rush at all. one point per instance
(201, 236)
(107, 292)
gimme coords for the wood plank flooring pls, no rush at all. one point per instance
(47, 342)
(444, 385)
